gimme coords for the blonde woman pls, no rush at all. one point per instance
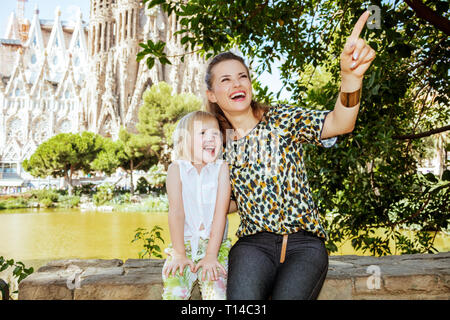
(199, 190)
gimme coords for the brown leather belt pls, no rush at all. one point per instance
(283, 248)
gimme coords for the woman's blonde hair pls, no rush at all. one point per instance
(183, 134)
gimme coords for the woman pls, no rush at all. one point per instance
(280, 253)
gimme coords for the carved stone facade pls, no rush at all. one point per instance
(72, 77)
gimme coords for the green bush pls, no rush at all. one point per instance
(151, 204)
(68, 201)
(19, 272)
(50, 194)
(46, 203)
(87, 189)
(160, 203)
(104, 194)
(142, 187)
(157, 179)
(15, 203)
(150, 239)
(122, 198)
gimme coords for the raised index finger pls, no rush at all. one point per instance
(359, 26)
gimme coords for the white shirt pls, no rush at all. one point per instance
(199, 193)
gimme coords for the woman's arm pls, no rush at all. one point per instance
(209, 262)
(176, 221)
(355, 60)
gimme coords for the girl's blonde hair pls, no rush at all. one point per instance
(183, 134)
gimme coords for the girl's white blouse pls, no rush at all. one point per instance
(199, 193)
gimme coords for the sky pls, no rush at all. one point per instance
(46, 8)
(69, 9)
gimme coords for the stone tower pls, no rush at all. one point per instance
(115, 30)
(114, 36)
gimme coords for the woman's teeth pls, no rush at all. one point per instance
(238, 95)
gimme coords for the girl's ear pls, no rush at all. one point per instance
(211, 96)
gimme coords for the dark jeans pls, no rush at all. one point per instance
(255, 271)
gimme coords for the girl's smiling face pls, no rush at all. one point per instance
(207, 141)
(231, 86)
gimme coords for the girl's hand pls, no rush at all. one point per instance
(210, 266)
(180, 262)
(357, 56)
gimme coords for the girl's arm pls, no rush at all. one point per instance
(176, 221)
(209, 262)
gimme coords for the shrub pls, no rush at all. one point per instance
(50, 194)
(15, 203)
(68, 201)
(46, 203)
(157, 179)
(20, 272)
(87, 189)
(122, 198)
(142, 186)
(150, 239)
(104, 194)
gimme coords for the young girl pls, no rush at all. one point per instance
(198, 189)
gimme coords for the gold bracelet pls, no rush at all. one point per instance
(350, 99)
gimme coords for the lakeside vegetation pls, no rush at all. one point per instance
(105, 195)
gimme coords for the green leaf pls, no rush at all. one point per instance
(150, 62)
(164, 60)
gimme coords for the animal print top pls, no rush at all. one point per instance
(267, 173)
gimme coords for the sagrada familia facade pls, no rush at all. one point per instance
(57, 76)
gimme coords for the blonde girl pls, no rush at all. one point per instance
(199, 190)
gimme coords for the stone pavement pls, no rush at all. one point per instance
(417, 276)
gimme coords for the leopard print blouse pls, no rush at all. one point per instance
(267, 173)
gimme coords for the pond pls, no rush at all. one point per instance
(36, 236)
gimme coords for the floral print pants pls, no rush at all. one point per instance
(179, 287)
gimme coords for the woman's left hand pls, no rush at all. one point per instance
(357, 56)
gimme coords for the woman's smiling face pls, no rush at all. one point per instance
(231, 86)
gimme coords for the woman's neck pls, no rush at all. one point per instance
(242, 123)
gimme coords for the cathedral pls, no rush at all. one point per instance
(58, 76)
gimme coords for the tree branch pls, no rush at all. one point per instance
(425, 13)
(422, 134)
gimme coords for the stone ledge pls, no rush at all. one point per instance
(418, 276)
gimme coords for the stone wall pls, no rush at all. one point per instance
(419, 276)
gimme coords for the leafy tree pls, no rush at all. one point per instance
(158, 117)
(63, 155)
(131, 152)
(369, 180)
(137, 153)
